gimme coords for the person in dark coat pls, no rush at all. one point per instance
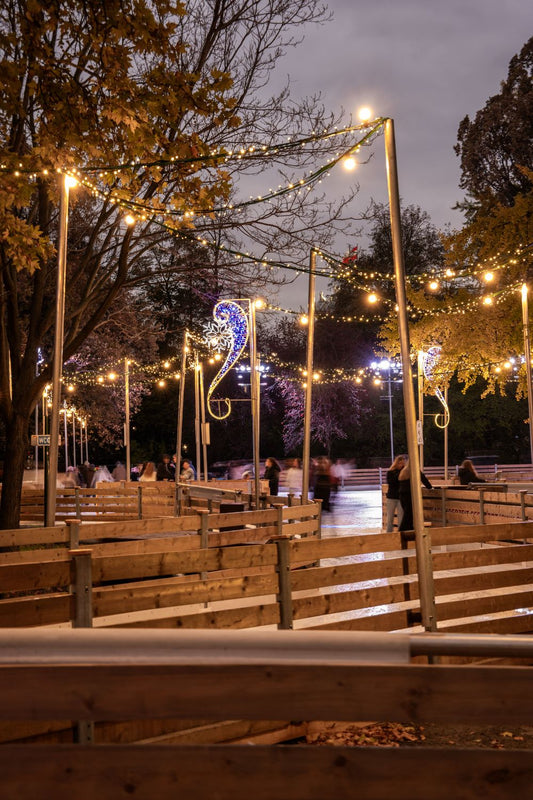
(271, 474)
(322, 482)
(165, 471)
(467, 473)
(393, 492)
(404, 483)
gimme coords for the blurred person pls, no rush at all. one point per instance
(149, 472)
(404, 482)
(119, 472)
(187, 472)
(165, 471)
(467, 473)
(393, 503)
(295, 477)
(322, 482)
(271, 474)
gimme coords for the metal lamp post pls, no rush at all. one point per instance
(527, 358)
(306, 458)
(423, 550)
(51, 489)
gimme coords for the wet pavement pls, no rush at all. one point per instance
(352, 512)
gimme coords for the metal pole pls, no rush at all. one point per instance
(65, 430)
(51, 493)
(254, 390)
(82, 426)
(527, 358)
(127, 441)
(423, 550)
(74, 438)
(197, 416)
(309, 384)
(203, 422)
(86, 441)
(179, 434)
(446, 438)
(390, 419)
(420, 387)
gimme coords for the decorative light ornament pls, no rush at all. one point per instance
(488, 300)
(488, 277)
(231, 322)
(372, 298)
(349, 163)
(434, 285)
(430, 361)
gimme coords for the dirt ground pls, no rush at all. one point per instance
(393, 734)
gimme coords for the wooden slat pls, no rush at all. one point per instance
(344, 546)
(118, 600)
(335, 602)
(390, 620)
(319, 577)
(489, 604)
(485, 556)
(439, 693)
(481, 533)
(236, 618)
(32, 536)
(26, 577)
(36, 610)
(233, 772)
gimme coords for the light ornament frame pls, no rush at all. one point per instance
(431, 358)
(232, 325)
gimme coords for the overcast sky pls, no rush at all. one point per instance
(425, 63)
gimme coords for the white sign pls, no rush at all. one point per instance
(42, 440)
(419, 432)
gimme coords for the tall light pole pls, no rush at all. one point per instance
(255, 380)
(57, 368)
(179, 434)
(127, 441)
(204, 426)
(423, 549)
(306, 458)
(197, 429)
(527, 359)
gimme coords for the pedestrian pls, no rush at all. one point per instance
(404, 482)
(294, 477)
(119, 472)
(393, 493)
(467, 473)
(164, 469)
(187, 472)
(271, 474)
(322, 482)
(149, 472)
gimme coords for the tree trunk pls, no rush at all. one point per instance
(14, 463)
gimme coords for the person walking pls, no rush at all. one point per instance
(271, 474)
(393, 504)
(322, 482)
(295, 477)
(404, 482)
(467, 473)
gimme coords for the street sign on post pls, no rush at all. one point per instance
(42, 440)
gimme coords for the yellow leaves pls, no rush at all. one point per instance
(23, 244)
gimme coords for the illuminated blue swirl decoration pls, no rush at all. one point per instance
(431, 358)
(231, 317)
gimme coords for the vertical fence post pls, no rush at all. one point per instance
(204, 541)
(284, 596)
(83, 618)
(74, 533)
(481, 506)
(77, 502)
(140, 502)
(522, 494)
(443, 506)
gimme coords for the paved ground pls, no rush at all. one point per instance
(353, 511)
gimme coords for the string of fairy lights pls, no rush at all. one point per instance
(434, 282)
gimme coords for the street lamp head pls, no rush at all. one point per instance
(365, 114)
(70, 181)
(349, 163)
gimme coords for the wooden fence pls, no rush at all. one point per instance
(108, 677)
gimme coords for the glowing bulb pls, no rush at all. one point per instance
(487, 300)
(488, 277)
(434, 285)
(449, 273)
(358, 379)
(218, 357)
(365, 113)
(70, 387)
(112, 376)
(497, 369)
(129, 219)
(507, 364)
(161, 384)
(349, 163)
(316, 376)
(166, 364)
(259, 303)
(372, 298)
(70, 181)
(100, 379)
(304, 319)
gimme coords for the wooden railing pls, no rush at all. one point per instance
(49, 675)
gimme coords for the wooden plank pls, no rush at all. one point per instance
(236, 618)
(233, 772)
(300, 512)
(232, 519)
(32, 536)
(489, 604)
(311, 550)
(118, 600)
(478, 533)
(27, 577)
(475, 582)
(319, 577)
(481, 557)
(335, 602)
(518, 623)
(390, 620)
(165, 563)
(440, 693)
(141, 527)
(36, 610)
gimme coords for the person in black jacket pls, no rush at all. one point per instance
(467, 473)
(404, 482)
(272, 471)
(393, 492)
